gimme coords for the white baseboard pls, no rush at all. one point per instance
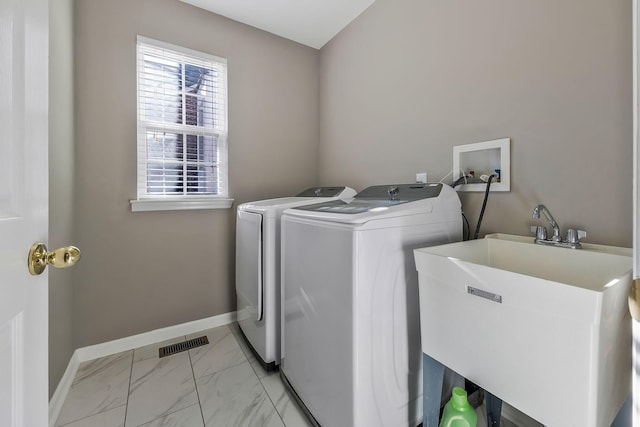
(124, 344)
(154, 336)
(57, 400)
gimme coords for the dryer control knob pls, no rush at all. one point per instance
(393, 191)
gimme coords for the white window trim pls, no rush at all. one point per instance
(165, 204)
(147, 203)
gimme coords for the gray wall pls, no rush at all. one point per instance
(408, 80)
(400, 86)
(142, 271)
(61, 184)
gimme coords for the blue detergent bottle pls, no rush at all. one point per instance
(458, 412)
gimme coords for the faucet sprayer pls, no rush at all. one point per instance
(556, 230)
(573, 236)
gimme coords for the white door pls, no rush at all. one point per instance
(24, 36)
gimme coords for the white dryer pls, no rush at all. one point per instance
(351, 328)
(258, 267)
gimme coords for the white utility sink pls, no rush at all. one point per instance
(545, 329)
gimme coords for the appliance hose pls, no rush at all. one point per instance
(484, 205)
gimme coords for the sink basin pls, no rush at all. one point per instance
(545, 329)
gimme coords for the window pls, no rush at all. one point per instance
(182, 128)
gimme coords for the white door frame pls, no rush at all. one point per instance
(636, 218)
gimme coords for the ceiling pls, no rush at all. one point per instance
(310, 22)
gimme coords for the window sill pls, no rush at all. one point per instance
(147, 205)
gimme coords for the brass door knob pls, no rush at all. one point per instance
(39, 258)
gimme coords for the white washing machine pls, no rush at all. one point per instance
(351, 328)
(258, 267)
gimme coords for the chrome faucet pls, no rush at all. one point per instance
(556, 230)
(573, 236)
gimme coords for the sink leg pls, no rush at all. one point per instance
(494, 409)
(432, 378)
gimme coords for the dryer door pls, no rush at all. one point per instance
(249, 286)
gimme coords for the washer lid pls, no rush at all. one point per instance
(274, 207)
(377, 198)
(323, 192)
(355, 206)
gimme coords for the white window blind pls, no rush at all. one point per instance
(182, 123)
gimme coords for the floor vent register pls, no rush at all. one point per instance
(183, 346)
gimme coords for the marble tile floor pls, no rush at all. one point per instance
(220, 384)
